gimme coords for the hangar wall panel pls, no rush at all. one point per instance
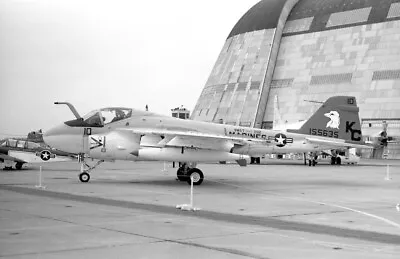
(362, 61)
(234, 85)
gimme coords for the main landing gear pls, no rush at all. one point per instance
(186, 171)
(336, 160)
(84, 176)
(312, 159)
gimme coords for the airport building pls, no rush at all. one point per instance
(308, 50)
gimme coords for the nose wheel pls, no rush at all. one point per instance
(197, 176)
(84, 177)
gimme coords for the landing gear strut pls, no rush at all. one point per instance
(336, 160)
(84, 176)
(312, 160)
(186, 171)
(18, 165)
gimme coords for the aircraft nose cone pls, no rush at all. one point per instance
(52, 136)
(57, 130)
(65, 138)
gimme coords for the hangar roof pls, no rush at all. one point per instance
(265, 14)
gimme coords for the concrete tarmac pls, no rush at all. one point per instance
(127, 210)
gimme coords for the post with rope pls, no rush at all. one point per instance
(40, 186)
(189, 207)
(387, 178)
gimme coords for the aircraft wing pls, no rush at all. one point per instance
(336, 143)
(196, 139)
(11, 158)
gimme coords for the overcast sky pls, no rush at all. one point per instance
(96, 54)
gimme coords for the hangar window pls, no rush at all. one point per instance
(349, 17)
(298, 25)
(267, 125)
(394, 10)
(331, 79)
(282, 83)
(386, 75)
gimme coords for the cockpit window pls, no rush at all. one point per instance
(115, 114)
(93, 119)
(33, 145)
(12, 143)
(21, 144)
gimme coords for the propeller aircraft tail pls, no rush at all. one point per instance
(336, 118)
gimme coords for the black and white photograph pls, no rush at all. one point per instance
(265, 129)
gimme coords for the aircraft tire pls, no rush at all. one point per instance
(333, 160)
(314, 163)
(309, 162)
(197, 176)
(180, 174)
(18, 165)
(7, 168)
(338, 161)
(84, 177)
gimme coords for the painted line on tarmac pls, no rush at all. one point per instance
(267, 222)
(392, 223)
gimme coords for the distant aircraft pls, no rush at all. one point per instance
(381, 138)
(16, 152)
(126, 134)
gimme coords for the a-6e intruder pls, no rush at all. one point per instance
(118, 133)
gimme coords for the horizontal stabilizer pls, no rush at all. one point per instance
(337, 143)
(242, 162)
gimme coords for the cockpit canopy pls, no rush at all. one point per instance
(99, 118)
(15, 143)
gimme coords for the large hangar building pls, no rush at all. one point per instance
(307, 50)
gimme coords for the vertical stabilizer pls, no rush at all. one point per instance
(336, 118)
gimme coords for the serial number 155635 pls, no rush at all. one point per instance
(324, 133)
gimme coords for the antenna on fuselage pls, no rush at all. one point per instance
(71, 107)
(311, 101)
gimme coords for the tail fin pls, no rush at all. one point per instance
(336, 118)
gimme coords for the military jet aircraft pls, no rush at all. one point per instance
(118, 133)
(17, 152)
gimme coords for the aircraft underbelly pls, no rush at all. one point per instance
(186, 155)
(297, 147)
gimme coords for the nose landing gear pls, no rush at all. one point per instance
(84, 176)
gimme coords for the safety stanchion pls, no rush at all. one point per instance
(40, 186)
(387, 177)
(189, 207)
